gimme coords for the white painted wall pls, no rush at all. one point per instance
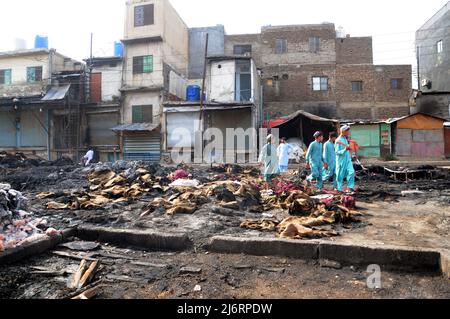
(147, 98)
(154, 79)
(111, 81)
(177, 85)
(221, 79)
(18, 66)
(156, 29)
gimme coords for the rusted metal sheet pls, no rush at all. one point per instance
(428, 149)
(434, 136)
(420, 143)
(447, 142)
(421, 122)
(403, 142)
(96, 87)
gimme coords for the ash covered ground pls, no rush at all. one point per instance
(224, 200)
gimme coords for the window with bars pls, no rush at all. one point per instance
(144, 15)
(357, 86)
(242, 49)
(314, 44)
(281, 46)
(34, 74)
(320, 83)
(142, 114)
(5, 77)
(396, 84)
(143, 64)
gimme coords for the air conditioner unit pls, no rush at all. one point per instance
(426, 83)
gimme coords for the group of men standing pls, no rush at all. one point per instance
(331, 161)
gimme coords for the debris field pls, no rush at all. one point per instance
(40, 198)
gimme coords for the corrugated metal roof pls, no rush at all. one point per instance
(394, 120)
(137, 127)
(57, 93)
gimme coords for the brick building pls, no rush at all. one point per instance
(307, 67)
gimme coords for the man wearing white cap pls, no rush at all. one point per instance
(344, 164)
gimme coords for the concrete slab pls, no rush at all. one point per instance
(265, 247)
(390, 257)
(387, 256)
(445, 264)
(144, 239)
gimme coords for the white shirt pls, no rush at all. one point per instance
(89, 156)
(283, 154)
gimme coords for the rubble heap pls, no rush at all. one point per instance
(20, 160)
(16, 225)
(226, 190)
(311, 216)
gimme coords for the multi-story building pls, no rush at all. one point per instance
(103, 110)
(433, 51)
(41, 93)
(155, 69)
(232, 108)
(307, 67)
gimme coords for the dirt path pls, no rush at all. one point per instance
(407, 222)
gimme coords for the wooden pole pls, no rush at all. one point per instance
(202, 96)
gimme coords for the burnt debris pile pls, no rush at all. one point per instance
(16, 224)
(20, 160)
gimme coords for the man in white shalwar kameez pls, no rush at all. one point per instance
(283, 155)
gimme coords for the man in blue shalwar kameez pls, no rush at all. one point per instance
(344, 164)
(329, 157)
(314, 159)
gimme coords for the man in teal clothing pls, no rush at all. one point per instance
(314, 160)
(269, 158)
(329, 157)
(344, 165)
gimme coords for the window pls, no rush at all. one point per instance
(144, 15)
(320, 83)
(285, 77)
(314, 44)
(281, 46)
(142, 114)
(143, 64)
(5, 77)
(242, 49)
(243, 81)
(396, 84)
(357, 86)
(440, 46)
(34, 74)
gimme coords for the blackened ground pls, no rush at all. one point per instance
(415, 220)
(219, 276)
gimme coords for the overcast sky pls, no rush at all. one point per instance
(68, 23)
